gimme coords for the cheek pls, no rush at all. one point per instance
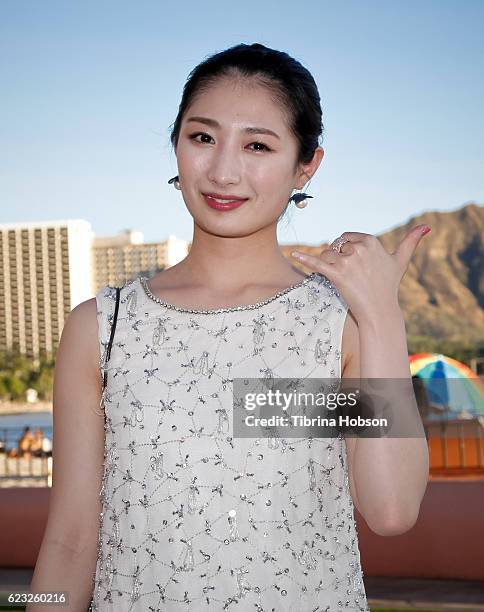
(266, 175)
(273, 180)
(188, 163)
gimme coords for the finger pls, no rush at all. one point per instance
(354, 236)
(325, 263)
(329, 256)
(332, 255)
(348, 248)
(343, 243)
(407, 246)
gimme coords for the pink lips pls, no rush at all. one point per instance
(230, 205)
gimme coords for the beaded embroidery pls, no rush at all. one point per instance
(144, 283)
(193, 518)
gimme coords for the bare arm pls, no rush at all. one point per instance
(67, 557)
(387, 476)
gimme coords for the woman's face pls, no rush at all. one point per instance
(225, 159)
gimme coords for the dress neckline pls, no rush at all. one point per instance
(143, 280)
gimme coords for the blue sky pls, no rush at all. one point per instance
(90, 89)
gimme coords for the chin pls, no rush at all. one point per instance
(228, 228)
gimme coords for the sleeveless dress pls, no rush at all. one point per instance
(192, 517)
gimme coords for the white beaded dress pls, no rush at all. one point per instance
(192, 517)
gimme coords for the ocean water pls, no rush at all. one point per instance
(12, 426)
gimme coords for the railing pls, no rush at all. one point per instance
(22, 470)
(15, 471)
(456, 446)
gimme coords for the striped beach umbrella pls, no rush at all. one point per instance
(450, 384)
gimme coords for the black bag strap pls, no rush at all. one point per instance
(111, 337)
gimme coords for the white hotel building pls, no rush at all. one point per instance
(47, 268)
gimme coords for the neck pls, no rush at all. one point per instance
(227, 263)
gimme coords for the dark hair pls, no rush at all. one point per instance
(290, 84)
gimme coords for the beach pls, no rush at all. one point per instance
(23, 407)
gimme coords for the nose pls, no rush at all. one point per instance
(224, 167)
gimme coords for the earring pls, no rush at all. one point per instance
(300, 199)
(176, 182)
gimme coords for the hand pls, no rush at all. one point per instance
(364, 273)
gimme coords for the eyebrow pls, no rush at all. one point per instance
(247, 130)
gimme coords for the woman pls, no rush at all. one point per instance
(166, 509)
(25, 443)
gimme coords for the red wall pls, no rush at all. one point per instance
(446, 541)
(23, 516)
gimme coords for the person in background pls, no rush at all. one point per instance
(46, 446)
(25, 442)
(41, 445)
(36, 446)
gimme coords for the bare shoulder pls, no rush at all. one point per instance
(85, 311)
(350, 347)
(79, 338)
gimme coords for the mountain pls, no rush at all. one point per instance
(442, 292)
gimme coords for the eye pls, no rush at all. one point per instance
(266, 148)
(261, 144)
(193, 136)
